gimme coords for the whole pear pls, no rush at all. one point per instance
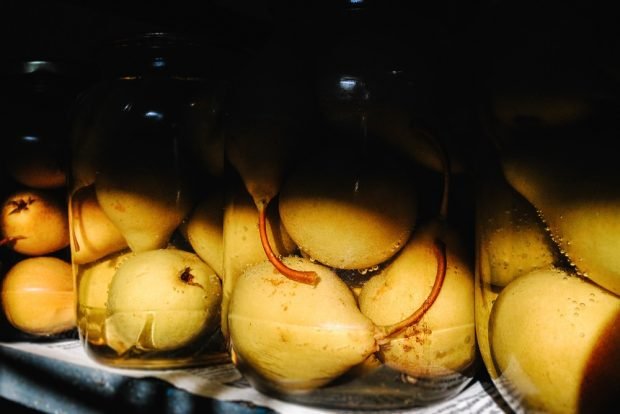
(38, 296)
(348, 219)
(443, 341)
(296, 336)
(581, 206)
(204, 231)
(93, 233)
(145, 204)
(554, 338)
(161, 300)
(93, 281)
(242, 245)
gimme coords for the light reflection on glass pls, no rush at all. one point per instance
(154, 115)
(348, 84)
(159, 62)
(30, 138)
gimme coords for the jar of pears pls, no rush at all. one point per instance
(145, 206)
(37, 295)
(548, 227)
(347, 284)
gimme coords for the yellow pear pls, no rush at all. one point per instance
(580, 205)
(555, 338)
(93, 234)
(38, 296)
(204, 231)
(93, 281)
(443, 342)
(145, 204)
(296, 336)
(161, 300)
(511, 233)
(348, 219)
(242, 244)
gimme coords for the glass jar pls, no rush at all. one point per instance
(548, 220)
(145, 206)
(346, 283)
(38, 299)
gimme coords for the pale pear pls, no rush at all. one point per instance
(93, 281)
(93, 235)
(443, 342)
(554, 338)
(580, 206)
(146, 205)
(161, 300)
(348, 219)
(296, 336)
(242, 244)
(510, 232)
(204, 231)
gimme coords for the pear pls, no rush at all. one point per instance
(242, 244)
(38, 296)
(161, 300)
(396, 126)
(93, 234)
(348, 219)
(581, 206)
(257, 151)
(443, 341)
(510, 232)
(296, 336)
(34, 222)
(93, 281)
(145, 204)
(204, 231)
(554, 338)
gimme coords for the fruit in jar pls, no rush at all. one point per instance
(35, 161)
(511, 233)
(34, 222)
(145, 204)
(203, 230)
(339, 216)
(554, 338)
(93, 281)
(582, 211)
(442, 341)
(396, 126)
(93, 233)
(295, 335)
(161, 300)
(38, 296)
(242, 242)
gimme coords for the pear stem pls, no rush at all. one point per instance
(307, 277)
(439, 249)
(6, 240)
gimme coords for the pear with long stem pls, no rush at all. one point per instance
(422, 302)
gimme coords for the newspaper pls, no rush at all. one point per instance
(224, 382)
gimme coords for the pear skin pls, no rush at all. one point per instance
(258, 152)
(146, 205)
(443, 342)
(549, 331)
(511, 233)
(93, 233)
(204, 231)
(294, 335)
(93, 281)
(346, 219)
(242, 244)
(580, 207)
(161, 300)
